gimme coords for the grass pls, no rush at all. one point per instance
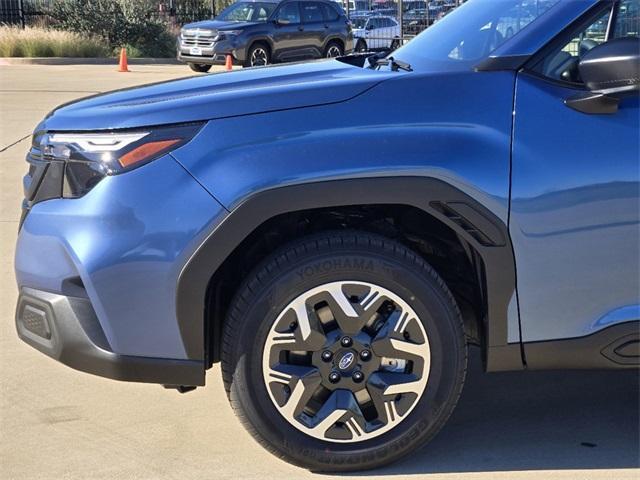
(39, 42)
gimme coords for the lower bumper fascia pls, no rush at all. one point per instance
(66, 329)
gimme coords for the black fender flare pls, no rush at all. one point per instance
(333, 38)
(259, 39)
(482, 229)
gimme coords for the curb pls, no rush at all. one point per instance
(84, 61)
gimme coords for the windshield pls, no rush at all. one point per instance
(471, 32)
(247, 12)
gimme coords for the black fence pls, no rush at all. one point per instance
(24, 12)
(173, 12)
(387, 24)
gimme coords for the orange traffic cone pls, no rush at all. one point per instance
(228, 65)
(124, 66)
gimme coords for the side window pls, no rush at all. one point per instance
(290, 12)
(330, 13)
(311, 12)
(262, 15)
(628, 19)
(562, 63)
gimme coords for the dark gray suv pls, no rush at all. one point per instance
(261, 32)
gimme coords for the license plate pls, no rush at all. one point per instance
(195, 51)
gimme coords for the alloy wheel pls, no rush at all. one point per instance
(333, 51)
(346, 361)
(259, 57)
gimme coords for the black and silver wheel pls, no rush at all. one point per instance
(199, 67)
(343, 352)
(361, 46)
(258, 56)
(333, 50)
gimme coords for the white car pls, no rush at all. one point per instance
(376, 33)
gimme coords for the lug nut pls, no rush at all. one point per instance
(346, 341)
(357, 376)
(334, 377)
(326, 356)
(365, 355)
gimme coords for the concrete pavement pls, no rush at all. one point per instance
(56, 423)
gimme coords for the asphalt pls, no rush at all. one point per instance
(56, 423)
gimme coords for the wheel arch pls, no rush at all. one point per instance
(260, 39)
(485, 234)
(334, 39)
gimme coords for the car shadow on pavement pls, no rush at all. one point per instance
(517, 421)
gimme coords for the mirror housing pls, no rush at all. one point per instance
(612, 67)
(282, 21)
(610, 71)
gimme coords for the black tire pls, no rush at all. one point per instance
(334, 49)
(199, 67)
(256, 50)
(313, 261)
(361, 46)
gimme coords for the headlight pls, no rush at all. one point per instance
(225, 34)
(89, 156)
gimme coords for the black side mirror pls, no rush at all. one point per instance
(610, 71)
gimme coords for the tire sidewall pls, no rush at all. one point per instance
(333, 44)
(254, 47)
(419, 289)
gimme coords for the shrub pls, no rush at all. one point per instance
(38, 42)
(118, 22)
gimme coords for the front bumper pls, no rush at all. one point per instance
(67, 329)
(104, 269)
(214, 55)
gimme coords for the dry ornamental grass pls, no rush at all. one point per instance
(39, 42)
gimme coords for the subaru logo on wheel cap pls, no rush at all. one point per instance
(346, 360)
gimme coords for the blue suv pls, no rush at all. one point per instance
(337, 233)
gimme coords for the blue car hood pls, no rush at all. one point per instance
(208, 97)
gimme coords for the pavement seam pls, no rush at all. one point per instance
(4, 149)
(36, 90)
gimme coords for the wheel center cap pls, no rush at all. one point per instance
(346, 360)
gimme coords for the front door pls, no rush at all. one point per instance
(288, 35)
(575, 207)
(314, 29)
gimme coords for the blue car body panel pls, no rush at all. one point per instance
(575, 213)
(222, 95)
(395, 128)
(127, 240)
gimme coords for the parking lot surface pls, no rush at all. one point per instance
(56, 423)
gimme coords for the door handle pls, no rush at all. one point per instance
(301, 28)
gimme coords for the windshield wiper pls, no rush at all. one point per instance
(395, 65)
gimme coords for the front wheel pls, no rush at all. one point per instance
(333, 50)
(343, 351)
(199, 67)
(258, 56)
